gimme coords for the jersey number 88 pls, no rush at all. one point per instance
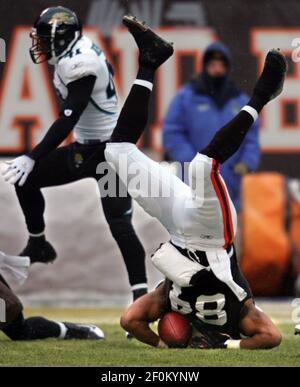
(209, 309)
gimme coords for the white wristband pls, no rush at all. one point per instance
(63, 330)
(253, 113)
(233, 344)
(143, 83)
(36, 235)
(139, 286)
(162, 345)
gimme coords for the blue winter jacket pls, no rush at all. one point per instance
(193, 119)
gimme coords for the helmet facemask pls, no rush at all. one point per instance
(40, 50)
(51, 46)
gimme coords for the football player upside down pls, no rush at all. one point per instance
(203, 279)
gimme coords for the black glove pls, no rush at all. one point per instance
(209, 339)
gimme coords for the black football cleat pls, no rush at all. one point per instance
(83, 332)
(39, 251)
(154, 50)
(206, 338)
(270, 83)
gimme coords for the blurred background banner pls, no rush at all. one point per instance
(249, 29)
(89, 260)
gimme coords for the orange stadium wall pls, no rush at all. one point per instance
(270, 227)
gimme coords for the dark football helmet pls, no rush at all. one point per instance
(53, 34)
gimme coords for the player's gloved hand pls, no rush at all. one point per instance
(18, 170)
(209, 340)
(241, 169)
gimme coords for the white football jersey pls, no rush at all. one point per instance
(198, 216)
(100, 116)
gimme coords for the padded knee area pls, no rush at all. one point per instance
(15, 329)
(114, 150)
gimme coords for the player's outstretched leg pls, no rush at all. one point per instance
(38, 328)
(154, 51)
(16, 327)
(269, 85)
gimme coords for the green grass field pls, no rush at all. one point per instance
(118, 351)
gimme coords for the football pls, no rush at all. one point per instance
(175, 330)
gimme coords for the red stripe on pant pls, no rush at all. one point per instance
(222, 195)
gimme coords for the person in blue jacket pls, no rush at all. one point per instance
(202, 106)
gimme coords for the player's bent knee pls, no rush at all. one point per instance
(199, 170)
(14, 308)
(114, 149)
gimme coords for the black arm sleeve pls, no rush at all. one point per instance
(79, 93)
